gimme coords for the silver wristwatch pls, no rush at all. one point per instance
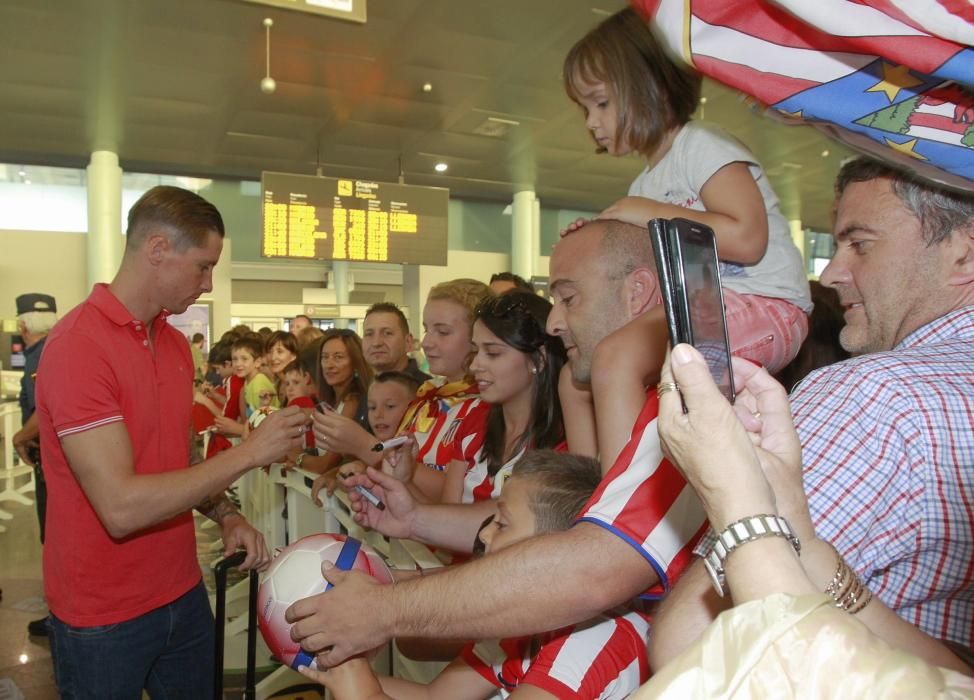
(739, 533)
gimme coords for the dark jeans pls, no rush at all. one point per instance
(40, 493)
(168, 651)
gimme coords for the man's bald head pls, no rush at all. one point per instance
(602, 275)
(619, 246)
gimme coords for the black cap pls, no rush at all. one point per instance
(35, 302)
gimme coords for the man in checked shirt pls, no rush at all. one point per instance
(887, 438)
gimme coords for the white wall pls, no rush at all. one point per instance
(418, 279)
(47, 263)
(54, 263)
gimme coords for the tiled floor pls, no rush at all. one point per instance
(26, 661)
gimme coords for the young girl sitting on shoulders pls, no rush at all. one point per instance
(636, 99)
(602, 658)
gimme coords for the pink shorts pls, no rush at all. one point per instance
(764, 330)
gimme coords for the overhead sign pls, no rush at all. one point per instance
(352, 10)
(326, 218)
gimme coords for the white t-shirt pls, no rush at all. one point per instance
(698, 151)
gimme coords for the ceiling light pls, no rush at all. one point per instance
(440, 167)
(825, 153)
(22, 172)
(703, 100)
(267, 84)
(427, 87)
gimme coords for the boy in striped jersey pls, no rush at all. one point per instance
(604, 657)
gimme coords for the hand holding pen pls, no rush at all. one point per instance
(399, 460)
(396, 517)
(340, 434)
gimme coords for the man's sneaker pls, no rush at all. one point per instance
(37, 628)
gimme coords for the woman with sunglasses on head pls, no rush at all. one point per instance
(343, 378)
(446, 410)
(516, 369)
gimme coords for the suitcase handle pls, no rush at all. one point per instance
(220, 573)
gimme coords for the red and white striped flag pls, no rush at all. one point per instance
(894, 78)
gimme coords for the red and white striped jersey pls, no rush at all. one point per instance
(455, 427)
(603, 658)
(646, 501)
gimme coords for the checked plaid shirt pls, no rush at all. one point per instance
(888, 448)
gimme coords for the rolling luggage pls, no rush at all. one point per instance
(220, 572)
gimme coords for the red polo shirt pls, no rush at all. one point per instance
(98, 369)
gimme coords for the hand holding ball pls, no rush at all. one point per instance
(295, 574)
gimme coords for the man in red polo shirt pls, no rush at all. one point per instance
(128, 606)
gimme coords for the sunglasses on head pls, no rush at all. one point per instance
(502, 305)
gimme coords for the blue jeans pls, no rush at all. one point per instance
(168, 651)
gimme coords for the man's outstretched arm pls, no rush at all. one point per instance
(540, 584)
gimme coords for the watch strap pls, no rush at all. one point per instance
(749, 529)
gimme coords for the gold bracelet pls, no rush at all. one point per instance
(836, 583)
(863, 601)
(846, 588)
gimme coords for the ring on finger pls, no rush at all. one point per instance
(665, 387)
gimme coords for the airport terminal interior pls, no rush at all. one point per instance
(434, 135)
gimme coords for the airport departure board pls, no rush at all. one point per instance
(327, 218)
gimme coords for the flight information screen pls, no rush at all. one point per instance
(326, 218)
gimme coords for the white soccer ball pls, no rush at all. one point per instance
(295, 574)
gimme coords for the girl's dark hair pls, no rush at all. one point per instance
(652, 92)
(361, 372)
(518, 319)
(285, 338)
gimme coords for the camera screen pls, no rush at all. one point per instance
(705, 306)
